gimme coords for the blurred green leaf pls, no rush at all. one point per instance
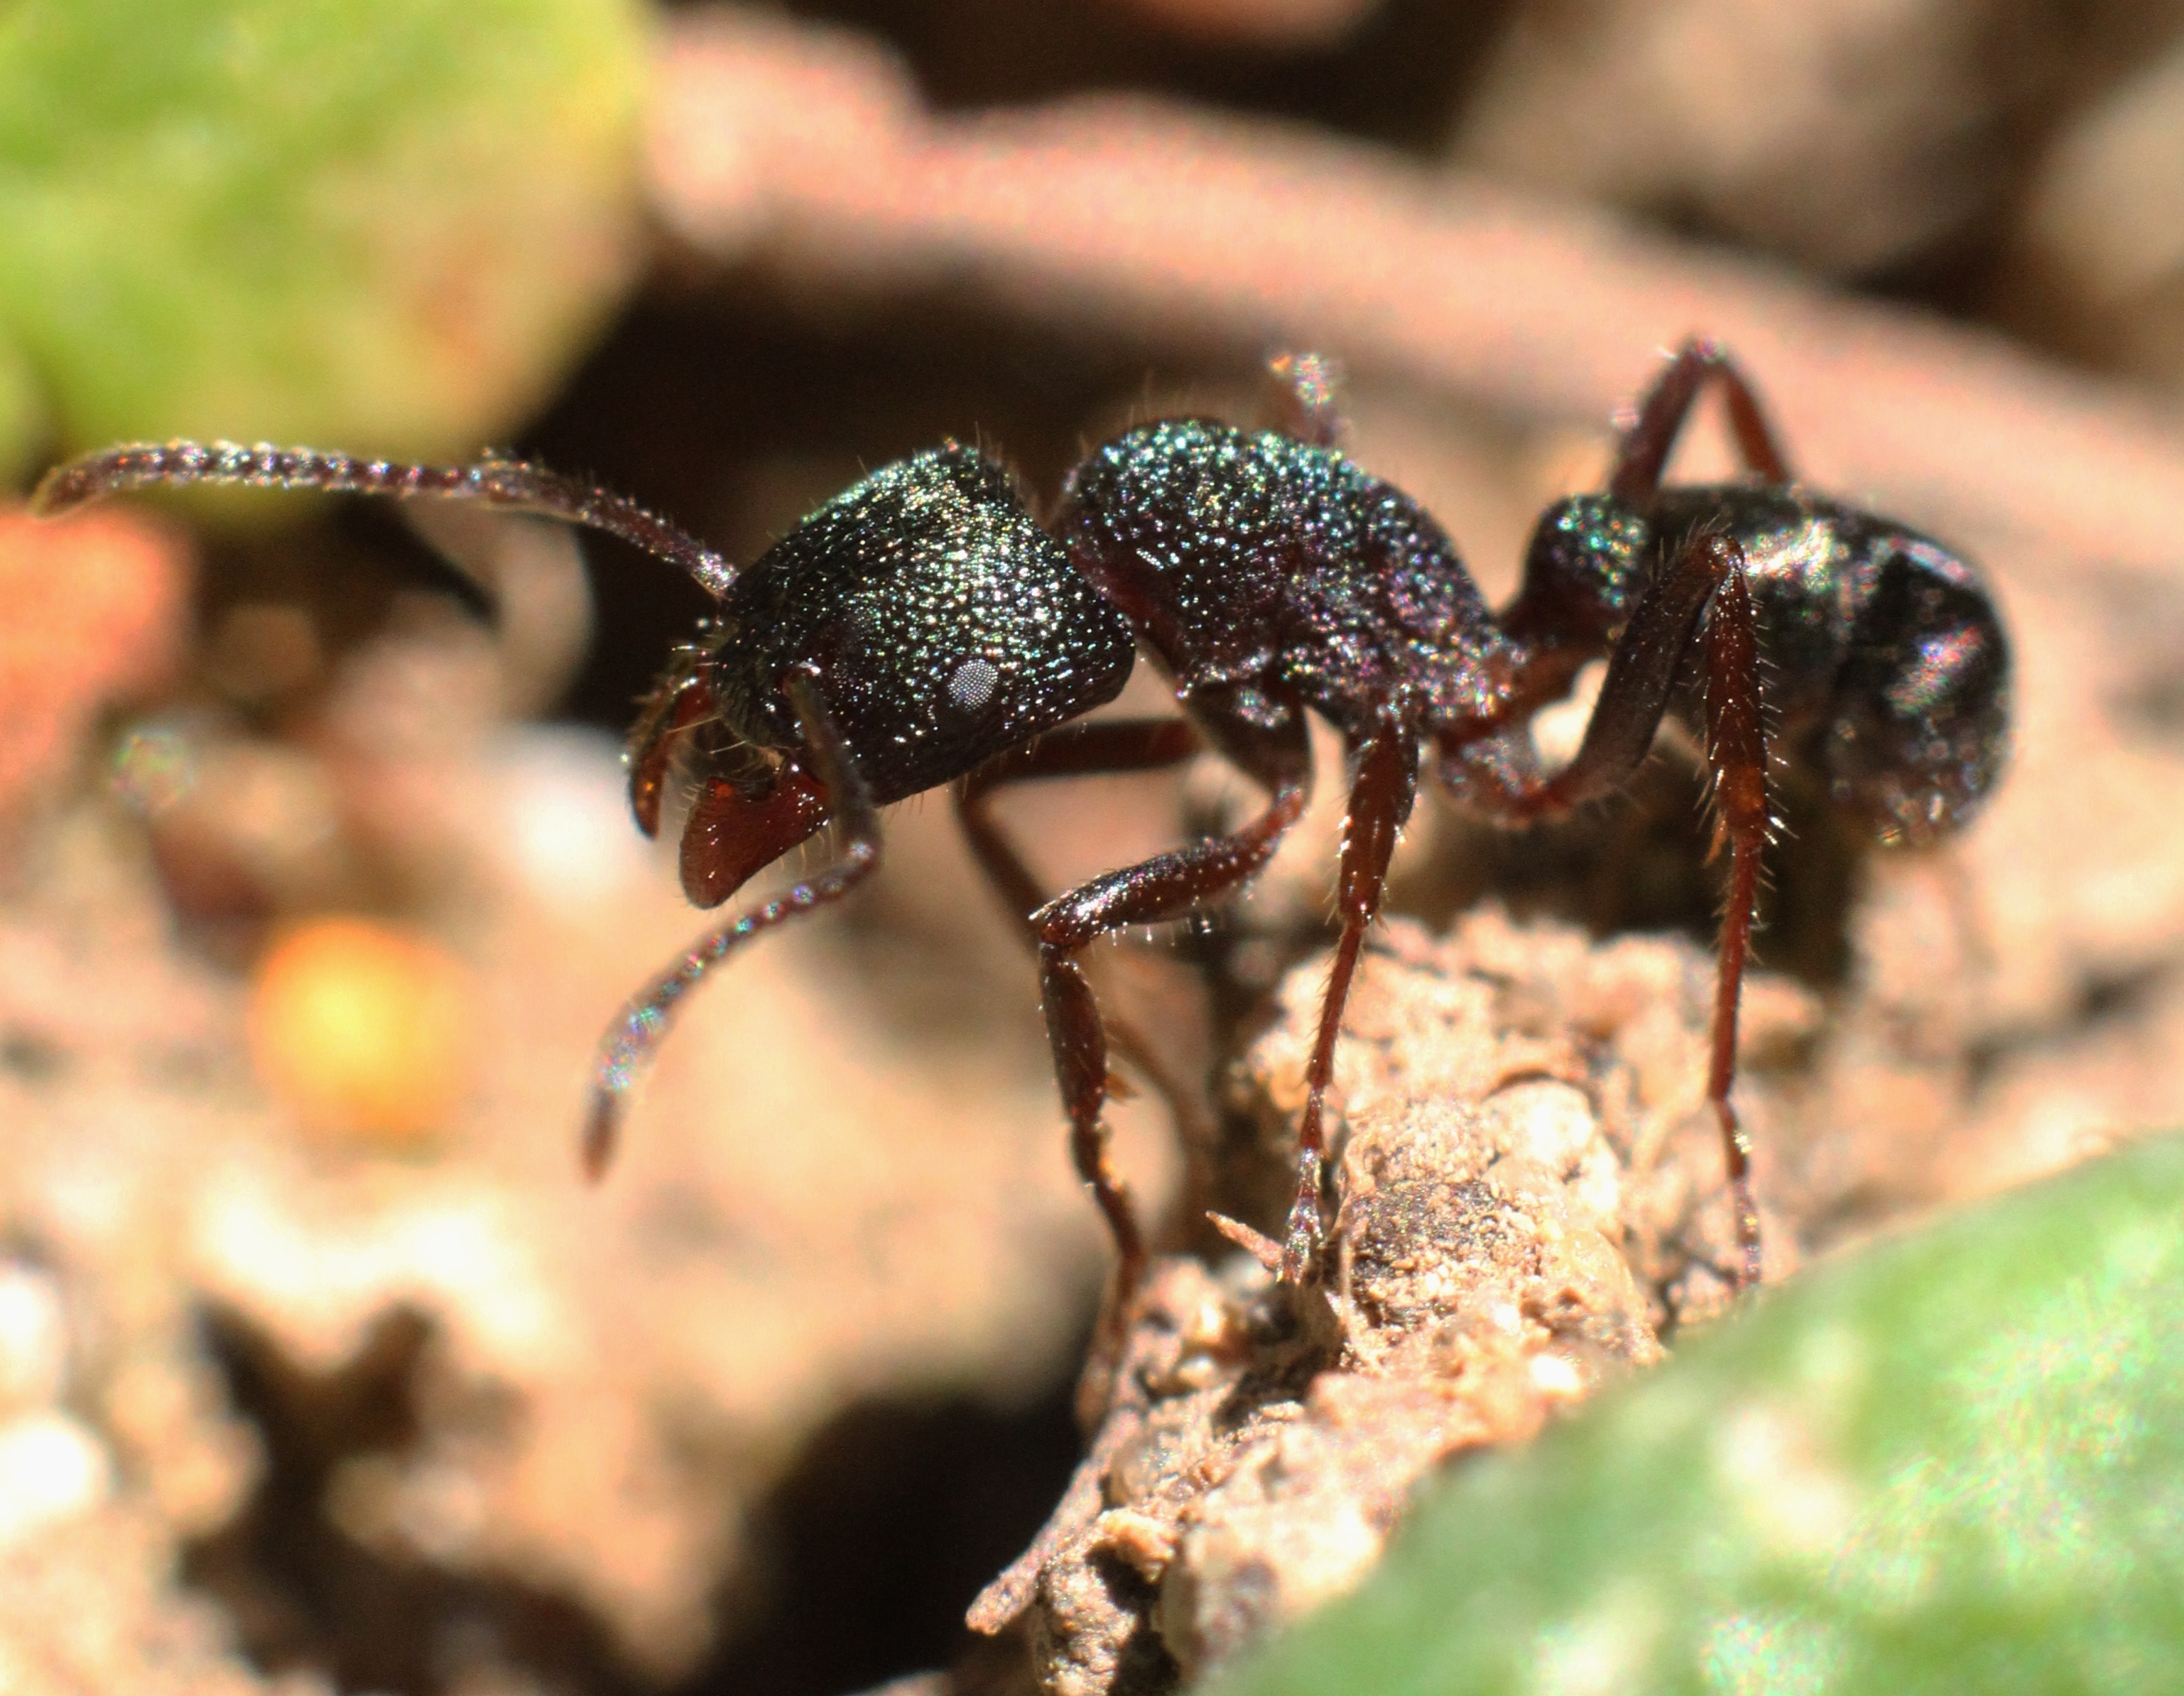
(384, 224)
(1953, 1463)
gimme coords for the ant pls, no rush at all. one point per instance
(924, 628)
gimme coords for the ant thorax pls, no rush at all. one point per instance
(1271, 569)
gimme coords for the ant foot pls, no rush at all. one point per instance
(1749, 1258)
(1301, 1240)
(1260, 1246)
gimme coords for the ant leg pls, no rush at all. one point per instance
(1106, 747)
(1705, 581)
(683, 700)
(1736, 750)
(1634, 697)
(1381, 796)
(644, 1022)
(1165, 887)
(1643, 455)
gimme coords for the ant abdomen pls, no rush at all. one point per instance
(1885, 665)
(1884, 662)
(1919, 726)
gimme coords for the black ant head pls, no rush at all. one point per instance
(1919, 725)
(942, 623)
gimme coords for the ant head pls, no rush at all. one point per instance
(1920, 722)
(943, 624)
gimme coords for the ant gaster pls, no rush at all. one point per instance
(923, 628)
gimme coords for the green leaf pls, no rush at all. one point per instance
(1953, 1462)
(383, 224)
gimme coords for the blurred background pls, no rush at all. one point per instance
(318, 1366)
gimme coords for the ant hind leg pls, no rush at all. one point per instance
(1699, 596)
(1642, 456)
(1736, 753)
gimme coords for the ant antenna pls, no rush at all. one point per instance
(499, 482)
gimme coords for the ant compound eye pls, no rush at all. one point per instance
(972, 685)
(946, 625)
(1921, 707)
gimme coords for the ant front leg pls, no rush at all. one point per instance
(1165, 887)
(1107, 747)
(835, 777)
(1642, 456)
(1704, 582)
(1385, 784)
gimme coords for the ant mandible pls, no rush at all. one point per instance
(923, 628)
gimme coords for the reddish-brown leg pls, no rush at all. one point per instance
(1385, 784)
(1106, 747)
(1166, 887)
(1103, 747)
(1497, 773)
(1702, 597)
(1643, 456)
(1736, 750)
(645, 1021)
